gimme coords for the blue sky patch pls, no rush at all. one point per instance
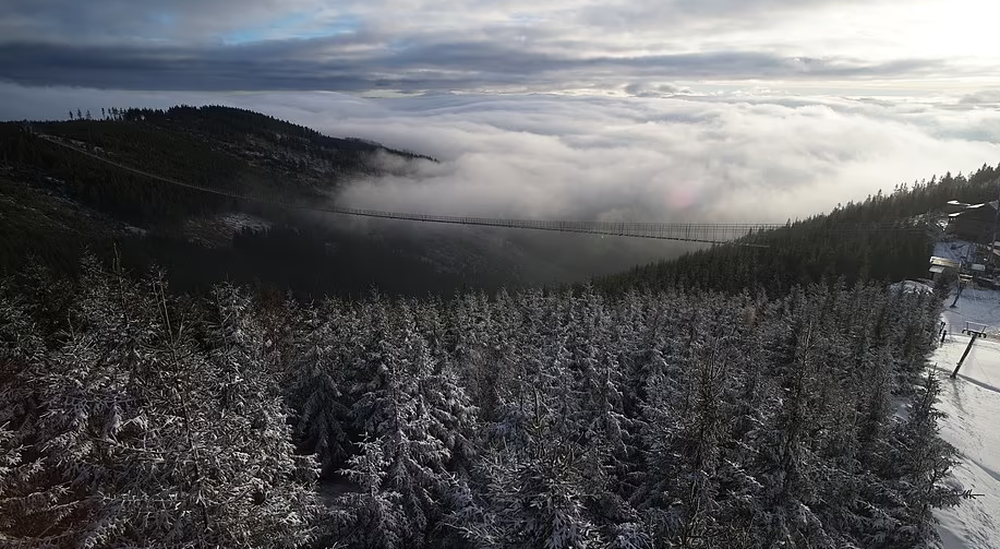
(296, 25)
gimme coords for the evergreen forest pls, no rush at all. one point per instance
(134, 417)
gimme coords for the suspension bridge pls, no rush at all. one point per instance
(706, 233)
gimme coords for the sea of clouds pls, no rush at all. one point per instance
(659, 155)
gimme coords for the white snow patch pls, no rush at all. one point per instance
(239, 221)
(910, 286)
(972, 402)
(218, 231)
(975, 305)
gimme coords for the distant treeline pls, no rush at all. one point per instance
(818, 249)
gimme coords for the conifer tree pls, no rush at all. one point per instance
(318, 386)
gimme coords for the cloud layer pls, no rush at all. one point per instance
(727, 158)
(323, 64)
(691, 159)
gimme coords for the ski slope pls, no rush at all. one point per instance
(972, 402)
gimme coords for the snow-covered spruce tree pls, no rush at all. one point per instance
(473, 339)
(538, 479)
(609, 438)
(76, 394)
(501, 410)
(317, 386)
(752, 409)
(518, 343)
(155, 442)
(596, 375)
(918, 334)
(686, 436)
(372, 517)
(534, 499)
(29, 495)
(452, 418)
(403, 424)
(920, 462)
(787, 463)
(268, 488)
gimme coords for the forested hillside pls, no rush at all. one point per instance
(825, 247)
(131, 417)
(215, 147)
(56, 203)
(97, 184)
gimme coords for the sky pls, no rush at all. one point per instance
(734, 110)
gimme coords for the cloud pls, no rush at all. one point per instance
(71, 21)
(661, 159)
(984, 97)
(483, 46)
(353, 62)
(652, 89)
(727, 158)
(187, 20)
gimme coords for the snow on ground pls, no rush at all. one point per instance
(913, 286)
(975, 305)
(972, 402)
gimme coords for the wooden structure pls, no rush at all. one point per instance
(940, 266)
(975, 223)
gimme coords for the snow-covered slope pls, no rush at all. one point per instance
(972, 402)
(975, 305)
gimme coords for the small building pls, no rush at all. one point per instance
(940, 266)
(975, 222)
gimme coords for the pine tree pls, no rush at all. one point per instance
(923, 461)
(401, 418)
(318, 383)
(143, 438)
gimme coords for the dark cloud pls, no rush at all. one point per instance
(432, 45)
(355, 62)
(76, 21)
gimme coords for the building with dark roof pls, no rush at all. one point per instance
(975, 223)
